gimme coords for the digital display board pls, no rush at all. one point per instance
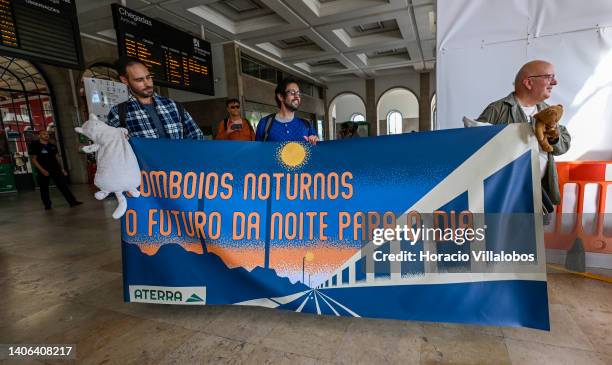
(46, 31)
(175, 58)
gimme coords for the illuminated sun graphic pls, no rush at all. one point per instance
(293, 155)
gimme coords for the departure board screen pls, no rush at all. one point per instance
(46, 31)
(175, 58)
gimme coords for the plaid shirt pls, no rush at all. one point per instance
(139, 124)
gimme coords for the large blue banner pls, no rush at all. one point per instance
(439, 226)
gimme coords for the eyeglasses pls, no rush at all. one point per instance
(234, 107)
(548, 77)
(293, 93)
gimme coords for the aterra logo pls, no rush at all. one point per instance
(168, 295)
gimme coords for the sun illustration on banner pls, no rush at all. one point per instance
(293, 155)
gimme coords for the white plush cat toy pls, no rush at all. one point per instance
(118, 169)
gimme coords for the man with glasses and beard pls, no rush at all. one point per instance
(532, 85)
(285, 125)
(234, 127)
(146, 114)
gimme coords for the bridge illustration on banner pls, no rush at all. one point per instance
(469, 177)
(337, 295)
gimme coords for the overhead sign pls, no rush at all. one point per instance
(175, 58)
(435, 226)
(41, 30)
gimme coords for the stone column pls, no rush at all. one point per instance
(231, 53)
(67, 114)
(371, 113)
(424, 103)
(326, 124)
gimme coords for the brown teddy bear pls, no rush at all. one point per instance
(546, 125)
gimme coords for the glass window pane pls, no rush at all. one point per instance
(394, 122)
(357, 117)
(249, 67)
(268, 74)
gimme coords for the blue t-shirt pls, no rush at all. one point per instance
(295, 130)
(150, 109)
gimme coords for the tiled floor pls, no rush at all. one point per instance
(60, 282)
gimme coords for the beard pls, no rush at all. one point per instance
(145, 93)
(291, 106)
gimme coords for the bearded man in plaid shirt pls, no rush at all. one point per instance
(146, 114)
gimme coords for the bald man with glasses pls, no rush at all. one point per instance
(533, 84)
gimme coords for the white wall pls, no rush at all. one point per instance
(218, 74)
(356, 86)
(479, 54)
(401, 100)
(346, 105)
(409, 80)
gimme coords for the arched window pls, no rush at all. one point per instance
(101, 71)
(405, 103)
(394, 122)
(25, 109)
(357, 117)
(346, 106)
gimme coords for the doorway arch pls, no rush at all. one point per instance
(26, 107)
(344, 107)
(400, 100)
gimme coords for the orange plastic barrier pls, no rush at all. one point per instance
(571, 221)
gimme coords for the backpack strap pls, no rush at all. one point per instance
(181, 115)
(122, 109)
(249, 125)
(181, 111)
(269, 121)
(307, 123)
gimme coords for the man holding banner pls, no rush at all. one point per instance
(285, 125)
(532, 85)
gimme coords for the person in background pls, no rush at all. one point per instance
(349, 130)
(234, 127)
(146, 114)
(285, 125)
(46, 159)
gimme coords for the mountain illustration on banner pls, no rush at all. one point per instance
(223, 285)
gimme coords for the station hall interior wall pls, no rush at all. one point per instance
(206, 110)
